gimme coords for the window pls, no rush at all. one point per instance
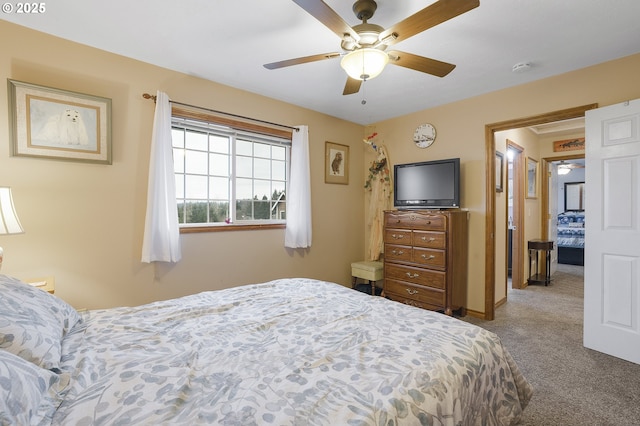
(228, 176)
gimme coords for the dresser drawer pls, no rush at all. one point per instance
(413, 275)
(398, 253)
(415, 220)
(399, 290)
(429, 239)
(397, 236)
(425, 258)
(429, 257)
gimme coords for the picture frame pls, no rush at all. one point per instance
(499, 171)
(336, 163)
(575, 144)
(574, 196)
(532, 178)
(58, 124)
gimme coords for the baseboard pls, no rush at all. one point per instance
(500, 302)
(475, 314)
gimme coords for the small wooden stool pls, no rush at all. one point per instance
(367, 270)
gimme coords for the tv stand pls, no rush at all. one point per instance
(425, 258)
(426, 209)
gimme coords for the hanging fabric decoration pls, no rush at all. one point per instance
(379, 185)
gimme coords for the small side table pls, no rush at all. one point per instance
(535, 247)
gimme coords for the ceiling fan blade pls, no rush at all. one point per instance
(303, 60)
(352, 86)
(327, 16)
(420, 63)
(429, 17)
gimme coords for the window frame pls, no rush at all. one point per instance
(242, 126)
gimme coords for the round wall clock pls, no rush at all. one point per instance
(424, 135)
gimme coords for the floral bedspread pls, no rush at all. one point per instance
(286, 352)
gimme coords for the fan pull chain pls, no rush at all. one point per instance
(364, 98)
(364, 80)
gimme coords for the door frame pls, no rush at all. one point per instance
(490, 164)
(517, 245)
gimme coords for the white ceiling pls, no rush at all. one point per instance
(228, 41)
(559, 127)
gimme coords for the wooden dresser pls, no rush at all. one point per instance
(425, 258)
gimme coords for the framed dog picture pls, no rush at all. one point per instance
(336, 163)
(58, 124)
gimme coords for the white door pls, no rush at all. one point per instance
(612, 248)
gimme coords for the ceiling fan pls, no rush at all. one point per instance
(565, 168)
(364, 46)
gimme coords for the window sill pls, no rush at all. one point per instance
(230, 227)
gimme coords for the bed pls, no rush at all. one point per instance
(571, 238)
(285, 352)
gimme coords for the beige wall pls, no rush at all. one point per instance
(84, 222)
(461, 133)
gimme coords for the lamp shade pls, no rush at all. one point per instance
(365, 63)
(9, 222)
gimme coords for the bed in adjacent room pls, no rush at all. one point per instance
(571, 238)
(285, 352)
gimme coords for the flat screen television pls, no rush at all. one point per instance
(427, 185)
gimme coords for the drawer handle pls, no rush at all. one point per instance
(425, 257)
(396, 252)
(397, 237)
(411, 291)
(414, 217)
(430, 239)
(410, 275)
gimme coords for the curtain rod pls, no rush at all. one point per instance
(148, 96)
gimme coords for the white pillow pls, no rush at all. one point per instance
(33, 322)
(28, 394)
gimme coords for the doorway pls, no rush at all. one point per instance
(564, 176)
(490, 223)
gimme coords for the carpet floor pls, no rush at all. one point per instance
(542, 329)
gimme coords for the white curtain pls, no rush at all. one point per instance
(298, 232)
(161, 232)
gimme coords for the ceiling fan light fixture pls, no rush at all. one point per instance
(564, 170)
(364, 64)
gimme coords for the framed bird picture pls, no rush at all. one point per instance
(336, 163)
